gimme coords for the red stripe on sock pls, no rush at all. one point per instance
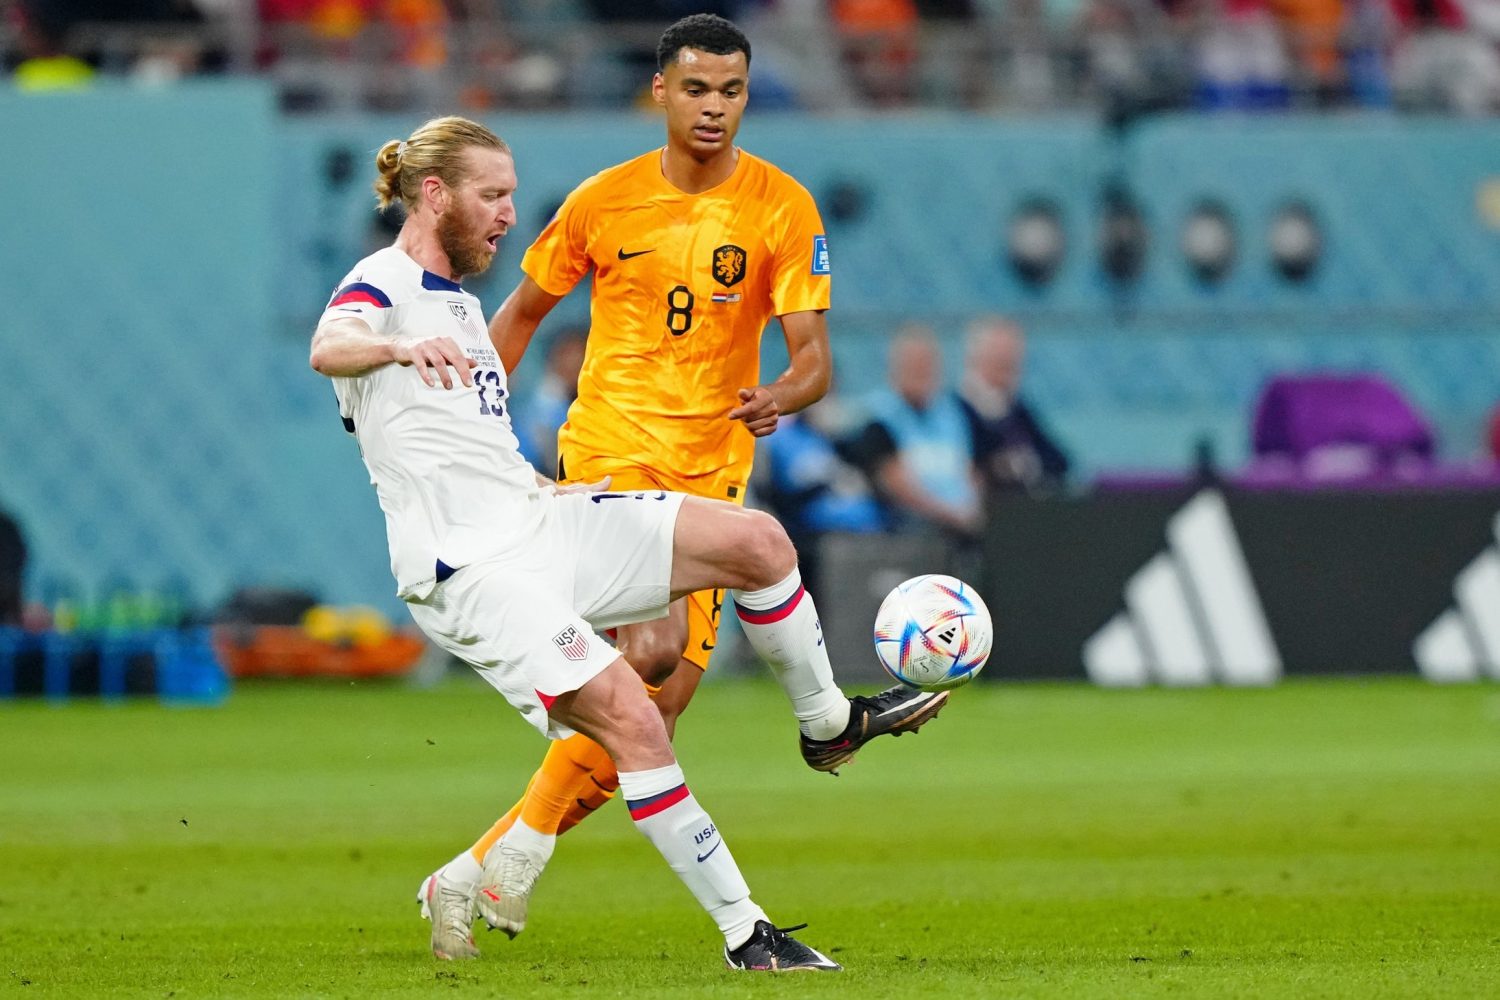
(646, 808)
(771, 615)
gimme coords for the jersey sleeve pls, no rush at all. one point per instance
(558, 259)
(801, 276)
(364, 300)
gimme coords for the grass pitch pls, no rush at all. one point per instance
(1318, 839)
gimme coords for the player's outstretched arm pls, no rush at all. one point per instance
(347, 347)
(514, 324)
(802, 384)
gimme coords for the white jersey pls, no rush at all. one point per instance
(445, 462)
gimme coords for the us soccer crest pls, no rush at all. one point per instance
(729, 265)
(572, 643)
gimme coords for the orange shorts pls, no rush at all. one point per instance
(704, 607)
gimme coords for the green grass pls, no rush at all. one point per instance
(1329, 839)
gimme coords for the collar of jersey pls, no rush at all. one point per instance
(437, 283)
(723, 187)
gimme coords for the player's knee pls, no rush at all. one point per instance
(655, 655)
(769, 553)
(634, 729)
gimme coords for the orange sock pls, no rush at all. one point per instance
(562, 778)
(599, 784)
(576, 777)
(561, 792)
(483, 844)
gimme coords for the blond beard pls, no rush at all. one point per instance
(467, 254)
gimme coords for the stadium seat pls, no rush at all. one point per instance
(1339, 426)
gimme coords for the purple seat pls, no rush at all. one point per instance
(1362, 421)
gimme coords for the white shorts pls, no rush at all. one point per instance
(526, 620)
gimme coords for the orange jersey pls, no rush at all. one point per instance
(684, 285)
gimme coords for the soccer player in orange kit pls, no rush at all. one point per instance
(693, 248)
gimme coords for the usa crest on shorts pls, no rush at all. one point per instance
(573, 643)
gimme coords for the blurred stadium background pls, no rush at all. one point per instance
(1255, 248)
(1178, 202)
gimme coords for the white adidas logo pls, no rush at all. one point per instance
(1463, 644)
(1192, 615)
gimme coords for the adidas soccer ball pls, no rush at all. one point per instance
(933, 632)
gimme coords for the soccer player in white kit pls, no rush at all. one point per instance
(511, 574)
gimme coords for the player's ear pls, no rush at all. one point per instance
(434, 192)
(659, 90)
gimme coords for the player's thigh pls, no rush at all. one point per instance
(519, 631)
(719, 544)
(619, 547)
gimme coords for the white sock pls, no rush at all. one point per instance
(782, 625)
(537, 845)
(666, 812)
(463, 871)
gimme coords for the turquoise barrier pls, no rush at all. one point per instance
(168, 250)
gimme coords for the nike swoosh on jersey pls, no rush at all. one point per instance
(634, 253)
(704, 856)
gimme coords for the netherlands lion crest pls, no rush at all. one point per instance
(729, 265)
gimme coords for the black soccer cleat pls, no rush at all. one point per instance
(897, 710)
(772, 949)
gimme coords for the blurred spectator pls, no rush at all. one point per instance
(810, 487)
(41, 29)
(917, 449)
(1242, 61)
(333, 19)
(878, 39)
(417, 28)
(1011, 450)
(547, 409)
(12, 569)
(1367, 32)
(149, 39)
(1440, 65)
(1313, 30)
(1133, 62)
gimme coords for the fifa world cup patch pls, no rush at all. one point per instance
(820, 256)
(573, 643)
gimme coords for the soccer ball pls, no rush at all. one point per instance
(933, 632)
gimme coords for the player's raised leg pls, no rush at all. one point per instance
(720, 541)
